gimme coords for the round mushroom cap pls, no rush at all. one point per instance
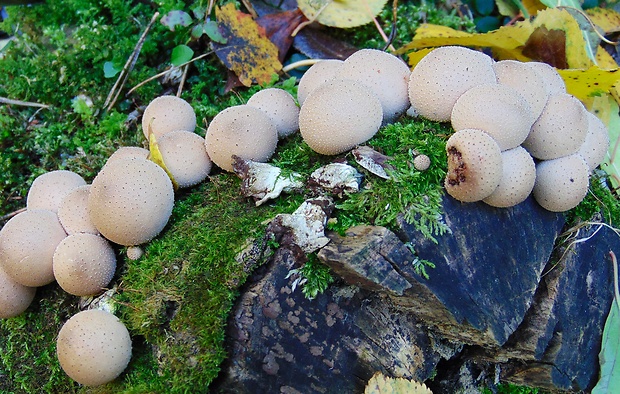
(443, 75)
(474, 165)
(560, 130)
(385, 74)
(518, 177)
(129, 151)
(27, 245)
(339, 115)
(47, 190)
(596, 144)
(280, 106)
(243, 131)
(525, 80)
(561, 183)
(552, 80)
(73, 212)
(496, 109)
(421, 162)
(15, 298)
(185, 157)
(167, 113)
(130, 201)
(84, 264)
(93, 347)
(317, 75)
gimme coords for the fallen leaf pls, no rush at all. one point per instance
(605, 18)
(533, 6)
(316, 44)
(381, 384)
(156, 157)
(176, 18)
(248, 52)
(341, 13)
(181, 54)
(547, 46)
(279, 26)
(590, 82)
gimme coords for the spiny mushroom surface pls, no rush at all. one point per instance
(130, 200)
(242, 131)
(525, 80)
(596, 144)
(93, 347)
(84, 264)
(47, 190)
(185, 157)
(561, 183)
(385, 74)
(317, 75)
(73, 212)
(474, 165)
(560, 130)
(27, 245)
(338, 115)
(280, 106)
(15, 298)
(443, 75)
(518, 177)
(498, 110)
(167, 113)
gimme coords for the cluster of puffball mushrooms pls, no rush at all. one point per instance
(503, 113)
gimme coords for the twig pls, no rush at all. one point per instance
(393, 32)
(4, 100)
(10, 215)
(129, 65)
(161, 74)
(616, 291)
(311, 20)
(300, 63)
(183, 78)
(600, 36)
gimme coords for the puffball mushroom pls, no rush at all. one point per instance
(242, 131)
(129, 151)
(552, 80)
(596, 144)
(130, 200)
(280, 106)
(385, 74)
(15, 298)
(317, 75)
(518, 177)
(93, 347)
(27, 245)
(168, 113)
(84, 264)
(474, 165)
(560, 130)
(561, 183)
(443, 75)
(47, 190)
(339, 115)
(507, 117)
(185, 156)
(525, 80)
(73, 212)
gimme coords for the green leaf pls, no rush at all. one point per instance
(181, 54)
(214, 33)
(109, 70)
(610, 352)
(612, 161)
(176, 18)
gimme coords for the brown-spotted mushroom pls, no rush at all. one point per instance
(317, 75)
(525, 80)
(27, 245)
(243, 131)
(596, 144)
(73, 212)
(518, 177)
(474, 165)
(560, 130)
(129, 151)
(168, 113)
(498, 110)
(47, 190)
(443, 75)
(385, 74)
(15, 298)
(280, 106)
(552, 80)
(561, 183)
(84, 264)
(339, 115)
(185, 156)
(93, 347)
(130, 200)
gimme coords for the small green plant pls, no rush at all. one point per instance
(313, 278)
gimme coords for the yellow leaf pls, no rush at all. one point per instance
(605, 18)
(415, 56)
(590, 82)
(604, 59)
(533, 6)
(381, 384)
(247, 52)
(341, 13)
(156, 157)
